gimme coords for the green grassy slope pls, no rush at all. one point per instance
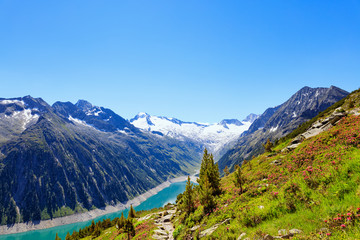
(315, 188)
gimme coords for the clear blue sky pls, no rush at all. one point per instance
(193, 60)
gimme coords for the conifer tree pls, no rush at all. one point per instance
(131, 212)
(238, 178)
(75, 235)
(97, 231)
(214, 176)
(206, 196)
(106, 223)
(82, 233)
(268, 146)
(188, 198)
(210, 170)
(226, 171)
(204, 165)
(129, 228)
(351, 103)
(92, 226)
(57, 237)
(179, 199)
(121, 221)
(68, 237)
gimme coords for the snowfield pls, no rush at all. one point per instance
(213, 136)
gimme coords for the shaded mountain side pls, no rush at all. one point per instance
(53, 165)
(101, 118)
(277, 122)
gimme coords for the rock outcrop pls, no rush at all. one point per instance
(165, 227)
(317, 128)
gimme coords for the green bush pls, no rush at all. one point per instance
(178, 230)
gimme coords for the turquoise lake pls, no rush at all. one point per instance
(160, 199)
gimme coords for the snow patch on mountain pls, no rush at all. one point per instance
(7, 101)
(94, 111)
(22, 119)
(82, 123)
(25, 117)
(213, 136)
(274, 129)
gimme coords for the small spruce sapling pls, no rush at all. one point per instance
(129, 228)
(226, 171)
(121, 221)
(57, 237)
(238, 179)
(268, 146)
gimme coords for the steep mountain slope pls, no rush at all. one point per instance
(216, 137)
(276, 122)
(310, 192)
(68, 158)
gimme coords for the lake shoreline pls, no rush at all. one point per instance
(86, 216)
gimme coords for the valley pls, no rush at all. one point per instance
(307, 191)
(94, 162)
(179, 120)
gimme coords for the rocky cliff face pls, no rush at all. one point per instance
(276, 122)
(68, 158)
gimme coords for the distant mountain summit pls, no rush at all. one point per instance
(251, 117)
(100, 118)
(18, 114)
(235, 122)
(216, 137)
(67, 158)
(278, 121)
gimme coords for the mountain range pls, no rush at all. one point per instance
(304, 187)
(67, 158)
(217, 138)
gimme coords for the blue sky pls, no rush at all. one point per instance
(194, 60)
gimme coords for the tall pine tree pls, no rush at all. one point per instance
(132, 212)
(188, 204)
(206, 196)
(210, 171)
(121, 221)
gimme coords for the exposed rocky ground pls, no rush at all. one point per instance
(279, 121)
(165, 227)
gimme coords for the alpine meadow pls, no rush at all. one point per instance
(179, 120)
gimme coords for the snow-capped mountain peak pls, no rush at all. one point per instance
(213, 136)
(19, 114)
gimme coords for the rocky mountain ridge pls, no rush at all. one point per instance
(278, 121)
